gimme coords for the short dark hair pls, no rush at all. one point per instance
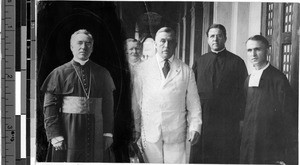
(219, 26)
(259, 38)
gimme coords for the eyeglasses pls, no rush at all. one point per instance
(164, 41)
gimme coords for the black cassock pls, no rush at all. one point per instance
(79, 119)
(270, 124)
(220, 79)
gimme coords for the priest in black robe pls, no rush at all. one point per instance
(220, 76)
(78, 106)
(269, 134)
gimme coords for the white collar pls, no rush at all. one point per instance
(261, 69)
(80, 61)
(255, 76)
(160, 59)
(161, 62)
(218, 51)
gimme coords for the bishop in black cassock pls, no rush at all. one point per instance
(78, 106)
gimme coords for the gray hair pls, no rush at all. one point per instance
(167, 30)
(82, 31)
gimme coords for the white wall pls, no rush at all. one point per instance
(222, 15)
(241, 20)
(254, 24)
(255, 18)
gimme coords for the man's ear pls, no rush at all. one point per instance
(268, 52)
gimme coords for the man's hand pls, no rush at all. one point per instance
(59, 145)
(193, 137)
(107, 142)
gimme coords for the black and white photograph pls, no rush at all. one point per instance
(176, 82)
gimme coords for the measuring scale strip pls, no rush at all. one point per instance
(8, 128)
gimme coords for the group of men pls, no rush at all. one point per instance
(226, 115)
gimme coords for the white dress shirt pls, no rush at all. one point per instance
(161, 63)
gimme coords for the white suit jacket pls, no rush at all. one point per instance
(166, 107)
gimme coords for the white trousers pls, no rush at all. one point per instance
(161, 152)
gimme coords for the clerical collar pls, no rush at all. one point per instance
(80, 62)
(218, 51)
(255, 76)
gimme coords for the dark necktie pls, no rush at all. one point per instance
(166, 67)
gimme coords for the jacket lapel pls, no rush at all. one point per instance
(174, 71)
(153, 70)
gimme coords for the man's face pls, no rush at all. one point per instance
(165, 44)
(81, 47)
(257, 52)
(216, 39)
(132, 52)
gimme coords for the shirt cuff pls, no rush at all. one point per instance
(108, 134)
(57, 139)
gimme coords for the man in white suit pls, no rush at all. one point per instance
(168, 110)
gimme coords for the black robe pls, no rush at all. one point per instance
(220, 80)
(82, 132)
(270, 124)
